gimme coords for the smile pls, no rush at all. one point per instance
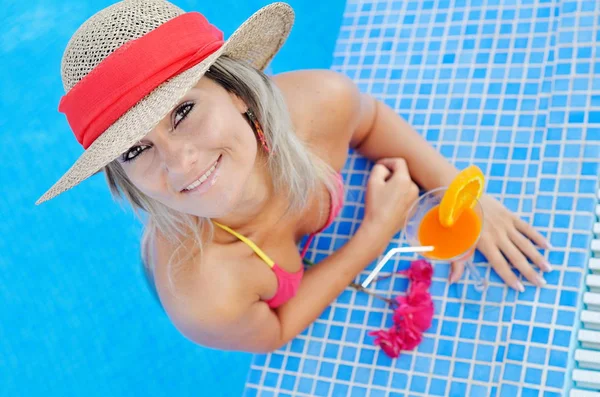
(209, 176)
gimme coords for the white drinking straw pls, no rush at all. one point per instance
(387, 257)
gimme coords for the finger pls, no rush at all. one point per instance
(379, 173)
(532, 233)
(527, 248)
(394, 164)
(400, 172)
(519, 261)
(456, 271)
(500, 265)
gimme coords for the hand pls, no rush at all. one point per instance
(390, 193)
(507, 238)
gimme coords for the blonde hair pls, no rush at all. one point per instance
(293, 167)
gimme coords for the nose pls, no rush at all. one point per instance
(178, 158)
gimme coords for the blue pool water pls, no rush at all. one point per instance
(510, 85)
(75, 317)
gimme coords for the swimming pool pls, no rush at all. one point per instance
(509, 85)
(512, 86)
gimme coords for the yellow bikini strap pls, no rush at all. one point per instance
(249, 243)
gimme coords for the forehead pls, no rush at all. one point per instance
(205, 91)
(205, 84)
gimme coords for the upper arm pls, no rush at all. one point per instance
(254, 328)
(328, 107)
(210, 306)
(228, 324)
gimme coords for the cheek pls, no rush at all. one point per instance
(241, 134)
(149, 186)
(230, 132)
(219, 124)
(145, 180)
(204, 129)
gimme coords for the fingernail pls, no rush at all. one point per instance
(451, 279)
(546, 266)
(540, 281)
(519, 286)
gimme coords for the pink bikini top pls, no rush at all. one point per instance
(288, 283)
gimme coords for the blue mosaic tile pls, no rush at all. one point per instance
(513, 87)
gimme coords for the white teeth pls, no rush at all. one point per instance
(203, 178)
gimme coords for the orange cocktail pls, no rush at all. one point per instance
(450, 219)
(452, 241)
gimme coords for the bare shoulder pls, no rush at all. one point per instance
(324, 106)
(202, 300)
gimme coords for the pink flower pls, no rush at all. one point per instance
(418, 294)
(420, 271)
(413, 314)
(389, 341)
(409, 338)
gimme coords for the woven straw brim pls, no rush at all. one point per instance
(256, 41)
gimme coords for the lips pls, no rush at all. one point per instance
(203, 178)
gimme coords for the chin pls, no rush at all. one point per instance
(216, 206)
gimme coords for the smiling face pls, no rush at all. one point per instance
(200, 157)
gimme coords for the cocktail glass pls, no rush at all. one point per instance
(454, 244)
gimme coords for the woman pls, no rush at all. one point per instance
(233, 169)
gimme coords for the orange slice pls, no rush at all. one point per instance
(462, 194)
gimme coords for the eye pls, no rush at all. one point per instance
(181, 113)
(132, 153)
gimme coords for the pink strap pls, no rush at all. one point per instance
(288, 283)
(287, 287)
(336, 207)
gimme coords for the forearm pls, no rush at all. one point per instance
(391, 136)
(325, 281)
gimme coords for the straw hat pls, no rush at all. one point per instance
(130, 64)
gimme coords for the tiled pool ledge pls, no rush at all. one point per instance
(514, 87)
